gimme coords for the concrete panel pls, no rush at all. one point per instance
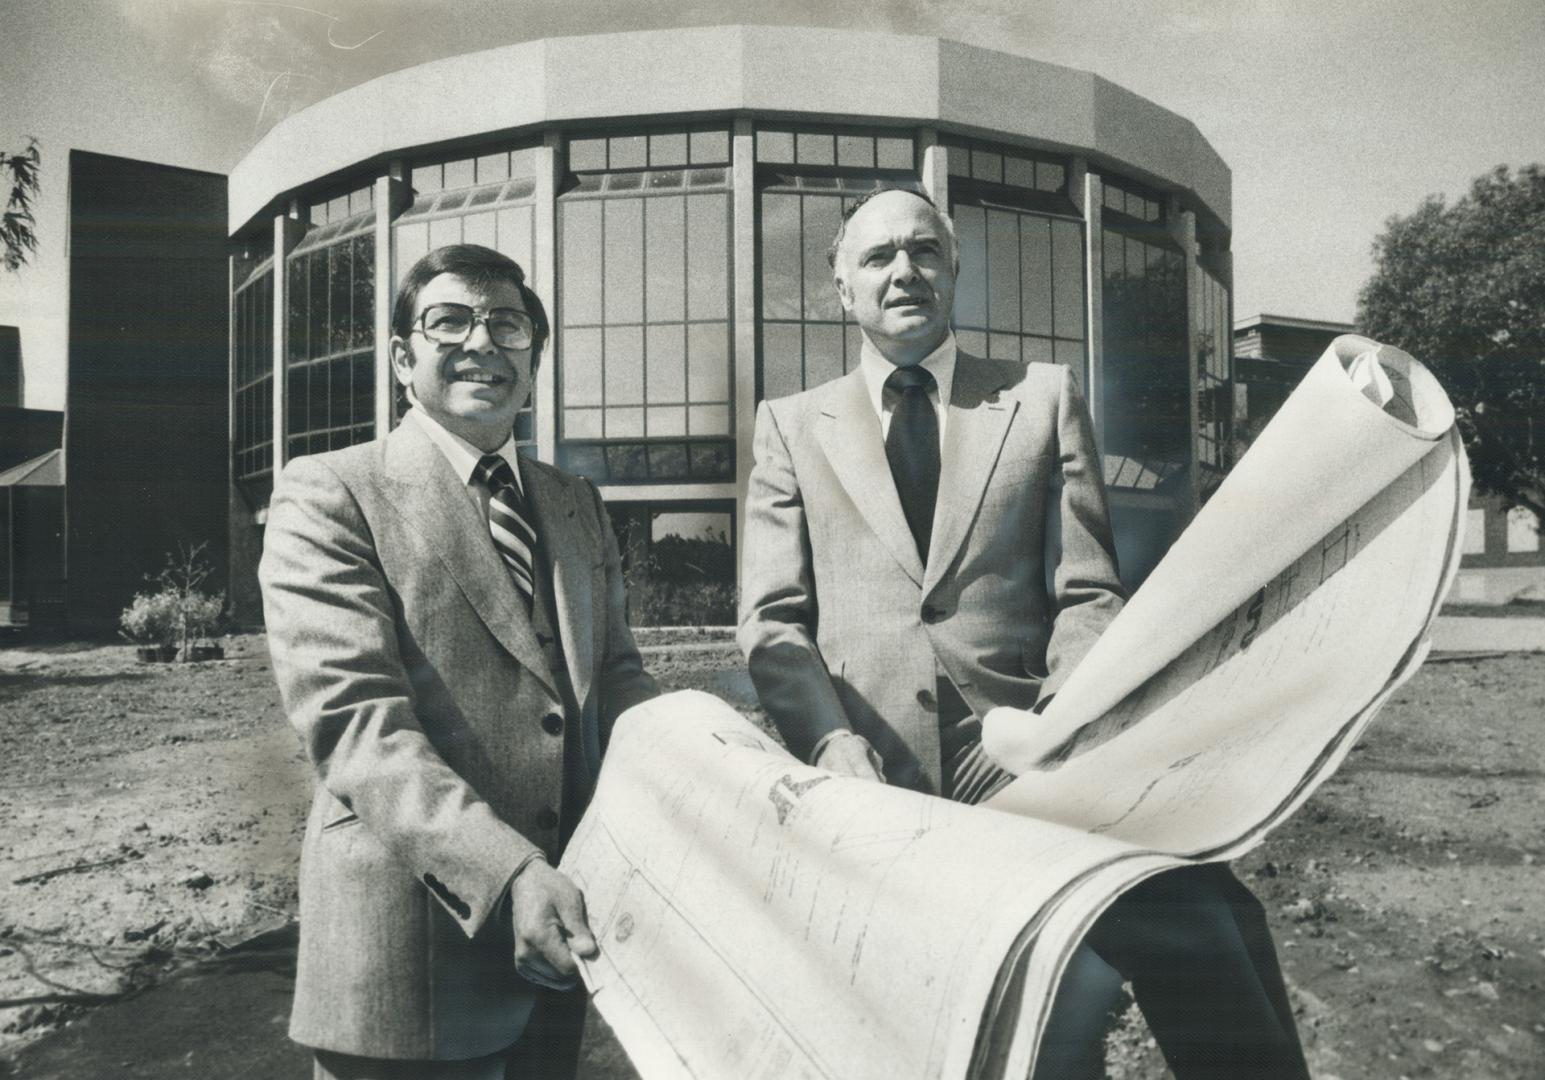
(644, 72)
(793, 70)
(802, 70)
(1135, 134)
(442, 100)
(1001, 92)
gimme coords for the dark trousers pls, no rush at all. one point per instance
(1194, 944)
(547, 1050)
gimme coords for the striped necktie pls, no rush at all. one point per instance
(509, 522)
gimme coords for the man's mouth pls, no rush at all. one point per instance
(906, 302)
(485, 378)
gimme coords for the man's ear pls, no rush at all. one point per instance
(844, 294)
(402, 360)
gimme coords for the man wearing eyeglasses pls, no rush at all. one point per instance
(447, 628)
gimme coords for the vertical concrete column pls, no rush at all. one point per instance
(289, 227)
(393, 195)
(1093, 196)
(544, 269)
(1185, 228)
(230, 382)
(1078, 173)
(934, 165)
(1241, 400)
(743, 242)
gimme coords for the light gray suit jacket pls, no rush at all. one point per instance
(409, 667)
(841, 622)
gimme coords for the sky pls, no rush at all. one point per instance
(1332, 114)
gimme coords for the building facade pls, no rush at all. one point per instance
(672, 195)
(144, 442)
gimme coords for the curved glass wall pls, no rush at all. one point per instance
(330, 365)
(252, 376)
(1020, 295)
(1145, 410)
(644, 308)
(643, 259)
(805, 180)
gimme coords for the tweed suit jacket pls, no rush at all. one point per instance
(842, 623)
(409, 667)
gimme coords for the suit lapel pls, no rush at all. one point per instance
(431, 499)
(849, 434)
(568, 547)
(978, 421)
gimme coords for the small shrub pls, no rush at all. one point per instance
(179, 613)
(152, 619)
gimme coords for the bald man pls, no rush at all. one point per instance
(927, 538)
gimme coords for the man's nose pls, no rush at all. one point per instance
(902, 269)
(478, 340)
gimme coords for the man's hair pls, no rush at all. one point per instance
(481, 268)
(842, 226)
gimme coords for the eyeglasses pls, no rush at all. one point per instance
(451, 324)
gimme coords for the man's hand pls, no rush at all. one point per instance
(849, 754)
(548, 913)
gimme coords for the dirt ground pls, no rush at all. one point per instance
(153, 816)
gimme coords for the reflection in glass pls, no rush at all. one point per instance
(1146, 395)
(661, 256)
(1021, 285)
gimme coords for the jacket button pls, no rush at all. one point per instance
(926, 700)
(552, 723)
(546, 818)
(932, 614)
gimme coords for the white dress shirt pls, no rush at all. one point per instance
(463, 456)
(876, 369)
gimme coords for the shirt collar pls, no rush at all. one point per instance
(876, 369)
(461, 454)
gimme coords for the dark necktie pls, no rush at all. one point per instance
(912, 448)
(509, 523)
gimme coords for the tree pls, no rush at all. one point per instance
(1462, 288)
(16, 228)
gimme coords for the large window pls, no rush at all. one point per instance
(252, 384)
(489, 199)
(1020, 295)
(644, 382)
(806, 179)
(330, 366)
(1214, 380)
(1146, 398)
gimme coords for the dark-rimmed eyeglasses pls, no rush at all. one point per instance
(451, 324)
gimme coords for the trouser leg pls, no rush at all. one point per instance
(1073, 1042)
(1195, 946)
(549, 1047)
(333, 1066)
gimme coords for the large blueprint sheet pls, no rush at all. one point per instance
(1299, 598)
(760, 918)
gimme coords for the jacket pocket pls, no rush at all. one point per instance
(341, 823)
(1033, 657)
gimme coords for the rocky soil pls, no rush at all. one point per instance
(153, 813)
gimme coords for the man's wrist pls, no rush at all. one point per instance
(521, 867)
(826, 740)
